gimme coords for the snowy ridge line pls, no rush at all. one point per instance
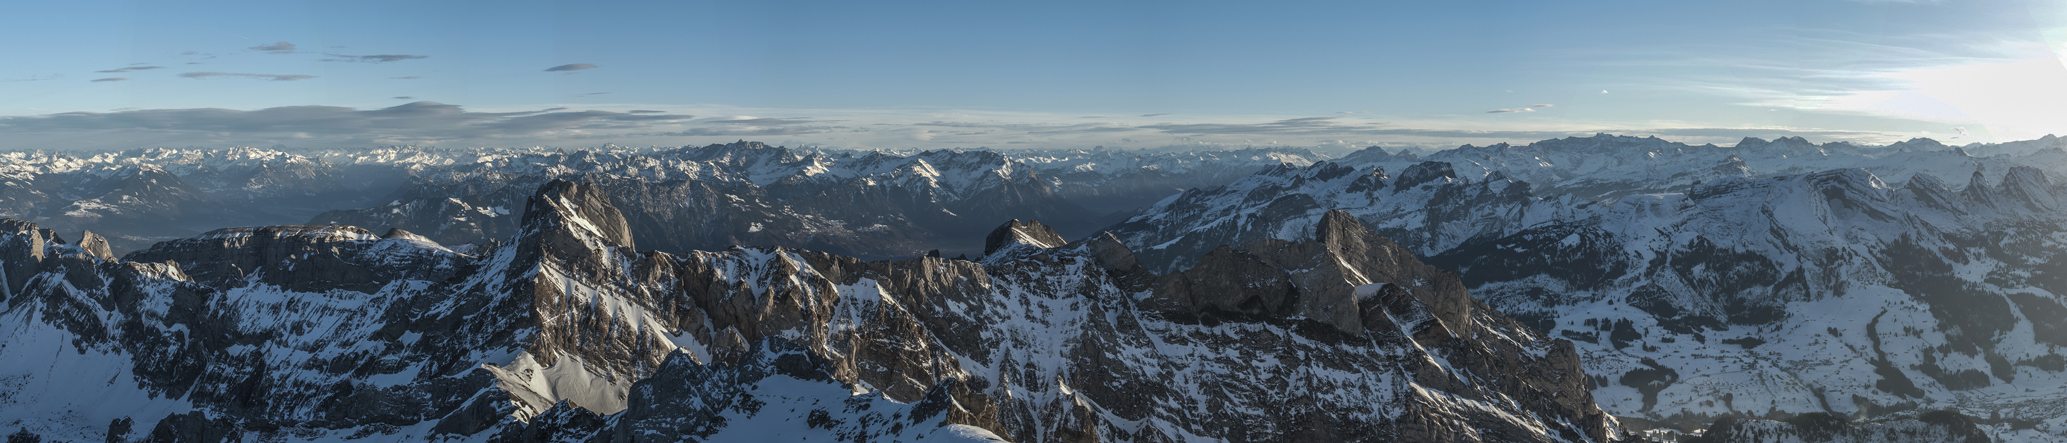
(567, 332)
(1734, 297)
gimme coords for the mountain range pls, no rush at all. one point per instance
(1742, 295)
(1601, 288)
(333, 332)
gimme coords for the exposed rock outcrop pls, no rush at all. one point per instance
(569, 333)
(1032, 233)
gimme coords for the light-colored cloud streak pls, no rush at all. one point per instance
(273, 77)
(430, 123)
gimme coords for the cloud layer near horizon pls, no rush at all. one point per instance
(433, 123)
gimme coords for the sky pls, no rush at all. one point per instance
(1135, 74)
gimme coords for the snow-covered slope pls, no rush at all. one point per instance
(463, 195)
(1607, 166)
(869, 204)
(1827, 292)
(332, 332)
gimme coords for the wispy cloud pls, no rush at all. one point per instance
(409, 77)
(380, 58)
(1155, 115)
(723, 132)
(571, 67)
(1542, 105)
(276, 48)
(109, 79)
(273, 77)
(760, 121)
(406, 123)
(33, 78)
(405, 97)
(1306, 125)
(130, 69)
(1504, 111)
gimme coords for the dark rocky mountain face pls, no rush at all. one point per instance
(568, 332)
(1832, 292)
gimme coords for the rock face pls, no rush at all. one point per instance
(568, 333)
(1933, 427)
(1831, 292)
(1031, 234)
(1603, 166)
(301, 258)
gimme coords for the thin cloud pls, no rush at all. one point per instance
(273, 77)
(405, 123)
(277, 48)
(1542, 105)
(1287, 126)
(571, 67)
(405, 97)
(646, 111)
(381, 58)
(35, 78)
(131, 68)
(1504, 111)
(761, 121)
(109, 79)
(412, 77)
(1153, 115)
(724, 132)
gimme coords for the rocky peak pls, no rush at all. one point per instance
(306, 258)
(1977, 192)
(1030, 233)
(398, 233)
(1919, 144)
(2031, 187)
(1111, 253)
(576, 208)
(1317, 279)
(1423, 172)
(96, 246)
(1931, 191)
(25, 242)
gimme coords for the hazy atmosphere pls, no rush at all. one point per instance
(117, 75)
(1806, 221)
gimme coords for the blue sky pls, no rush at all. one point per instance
(1033, 74)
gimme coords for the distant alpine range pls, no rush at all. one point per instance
(1583, 289)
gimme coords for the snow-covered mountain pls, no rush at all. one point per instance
(139, 197)
(869, 204)
(567, 332)
(1827, 292)
(1608, 166)
(931, 199)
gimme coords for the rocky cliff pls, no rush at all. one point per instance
(568, 332)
